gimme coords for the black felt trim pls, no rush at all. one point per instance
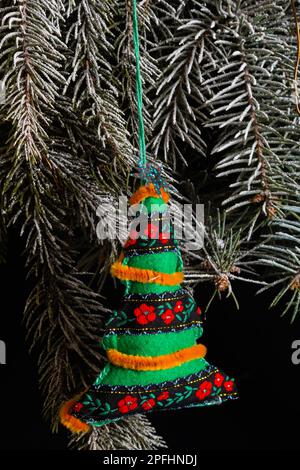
(105, 402)
(151, 313)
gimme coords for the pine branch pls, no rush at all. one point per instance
(185, 58)
(132, 433)
(224, 258)
(125, 67)
(31, 84)
(253, 110)
(280, 256)
(90, 82)
(58, 165)
(39, 188)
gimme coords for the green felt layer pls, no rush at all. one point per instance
(113, 375)
(166, 262)
(153, 345)
(160, 343)
(154, 204)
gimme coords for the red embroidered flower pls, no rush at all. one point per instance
(163, 396)
(219, 379)
(178, 306)
(144, 314)
(198, 311)
(204, 390)
(133, 236)
(129, 242)
(151, 231)
(168, 316)
(164, 237)
(148, 404)
(229, 385)
(127, 404)
(77, 407)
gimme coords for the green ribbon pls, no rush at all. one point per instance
(139, 87)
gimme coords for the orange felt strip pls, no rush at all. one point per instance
(130, 273)
(72, 423)
(148, 191)
(166, 361)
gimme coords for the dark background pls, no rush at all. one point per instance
(252, 344)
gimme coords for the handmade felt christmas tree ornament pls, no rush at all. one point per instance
(154, 360)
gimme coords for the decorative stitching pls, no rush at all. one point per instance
(181, 293)
(162, 247)
(155, 300)
(159, 386)
(158, 328)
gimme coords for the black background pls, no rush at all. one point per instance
(253, 344)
